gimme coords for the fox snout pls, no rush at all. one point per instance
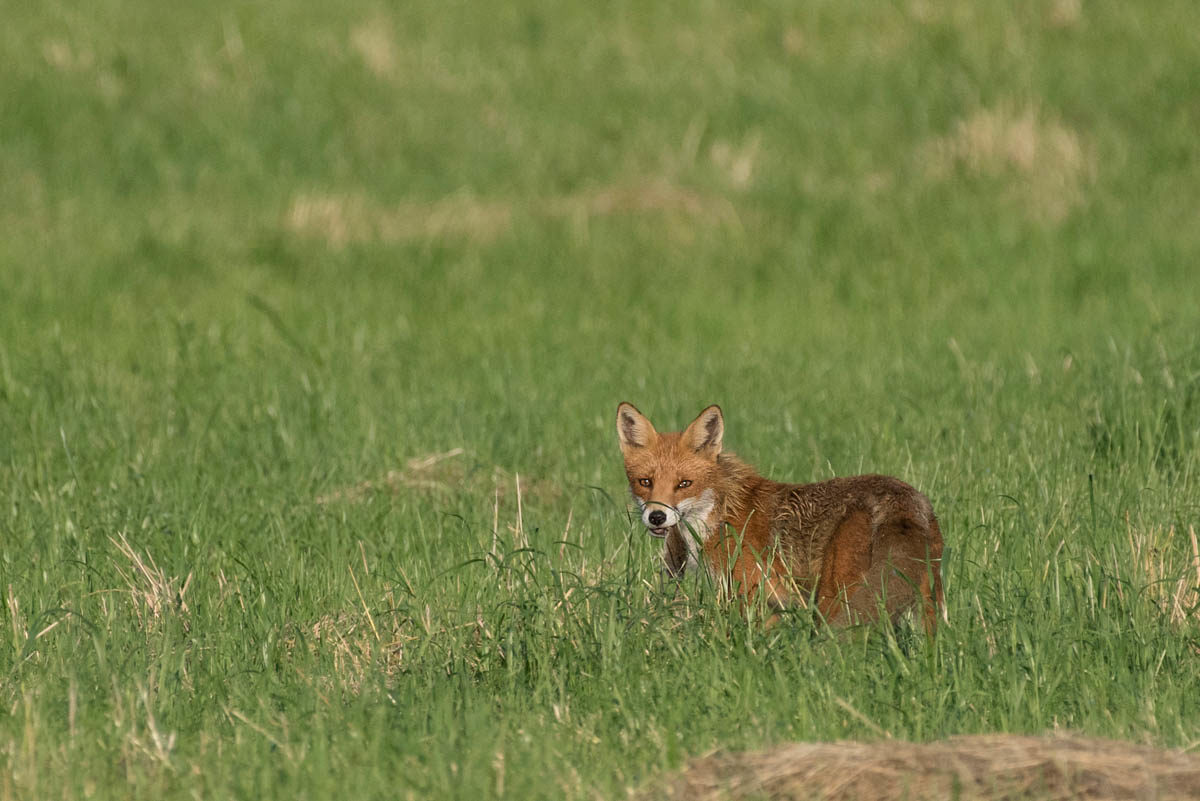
(657, 517)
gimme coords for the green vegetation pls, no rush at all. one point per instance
(314, 319)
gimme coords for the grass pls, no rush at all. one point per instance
(313, 324)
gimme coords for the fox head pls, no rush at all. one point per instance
(671, 475)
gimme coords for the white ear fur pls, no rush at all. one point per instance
(705, 433)
(633, 429)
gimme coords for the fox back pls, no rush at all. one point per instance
(856, 545)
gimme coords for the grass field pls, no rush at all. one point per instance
(314, 319)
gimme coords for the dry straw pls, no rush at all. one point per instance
(974, 768)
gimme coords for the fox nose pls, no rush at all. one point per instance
(657, 517)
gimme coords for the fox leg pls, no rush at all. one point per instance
(844, 568)
(907, 569)
(762, 581)
(932, 597)
(777, 595)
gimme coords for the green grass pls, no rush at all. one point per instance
(259, 263)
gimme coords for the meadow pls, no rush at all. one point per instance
(314, 319)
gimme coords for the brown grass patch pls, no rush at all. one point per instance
(345, 219)
(153, 593)
(60, 55)
(1064, 13)
(1044, 161)
(978, 767)
(1167, 574)
(351, 218)
(375, 47)
(442, 473)
(359, 644)
(736, 162)
(437, 471)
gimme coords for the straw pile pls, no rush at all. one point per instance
(974, 768)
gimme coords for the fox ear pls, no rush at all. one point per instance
(633, 429)
(705, 432)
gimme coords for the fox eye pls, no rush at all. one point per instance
(645, 482)
(684, 484)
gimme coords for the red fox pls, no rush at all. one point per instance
(851, 544)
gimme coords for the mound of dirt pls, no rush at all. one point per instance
(974, 768)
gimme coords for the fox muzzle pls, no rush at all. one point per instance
(659, 517)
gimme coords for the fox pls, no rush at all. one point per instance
(853, 546)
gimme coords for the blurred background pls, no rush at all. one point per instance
(453, 204)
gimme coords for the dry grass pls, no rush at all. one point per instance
(342, 219)
(346, 219)
(737, 162)
(437, 471)
(154, 594)
(1064, 13)
(60, 55)
(1043, 160)
(1167, 574)
(980, 767)
(451, 471)
(359, 643)
(373, 44)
